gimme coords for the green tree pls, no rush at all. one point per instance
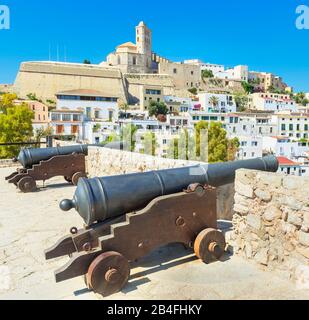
(127, 136)
(241, 101)
(214, 101)
(7, 101)
(207, 74)
(15, 126)
(193, 91)
(156, 108)
(42, 133)
(149, 143)
(249, 88)
(220, 148)
(86, 61)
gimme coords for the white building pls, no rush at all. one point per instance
(67, 123)
(206, 66)
(285, 147)
(94, 104)
(212, 102)
(293, 125)
(271, 102)
(97, 112)
(240, 72)
(250, 147)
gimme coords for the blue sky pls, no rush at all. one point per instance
(260, 33)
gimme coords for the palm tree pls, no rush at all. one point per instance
(214, 101)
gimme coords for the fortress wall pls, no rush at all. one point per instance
(46, 79)
(134, 83)
(271, 221)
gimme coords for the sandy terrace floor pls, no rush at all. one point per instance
(31, 223)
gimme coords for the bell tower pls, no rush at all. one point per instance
(144, 43)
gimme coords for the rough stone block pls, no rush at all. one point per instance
(304, 238)
(262, 256)
(294, 219)
(271, 179)
(303, 251)
(272, 213)
(244, 189)
(254, 221)
(264, 195)
(292, 183)
(239, 208)
(291, 202)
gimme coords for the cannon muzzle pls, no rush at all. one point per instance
(99, 199)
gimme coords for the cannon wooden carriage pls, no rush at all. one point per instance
(128, 216)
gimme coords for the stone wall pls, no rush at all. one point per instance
(45, 79)
(271, 220)
(8, 163)
(105, 162)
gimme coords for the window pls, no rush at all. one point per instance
(175, 71)
(66, 117)
(153, 91)
(75, 117)
(55, 117)
(88, 112)
(282, 127)
(134, 60)
(97, 114)
(59, 129)
(192, 73)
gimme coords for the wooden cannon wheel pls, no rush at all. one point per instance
(26, 184)
(108, 273)
(76, 177)
(209, 245)
(68, 179)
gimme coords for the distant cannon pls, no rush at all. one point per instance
(127, 216)
(45, 163)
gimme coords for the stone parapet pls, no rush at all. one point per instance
(271, 221)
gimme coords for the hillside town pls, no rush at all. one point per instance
(92, 103)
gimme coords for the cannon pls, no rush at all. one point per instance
(45, 163)
(127, 216)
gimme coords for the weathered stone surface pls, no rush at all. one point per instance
(264, 195)
(303, 251)
(243, 210)
(292, 183)
(304, 238)
(291, 202)
(262, 256)
(271, 179)
(306, 215)
(243, 189)
(254, 221)
(275, 232)
(272, 213)
(294, 219)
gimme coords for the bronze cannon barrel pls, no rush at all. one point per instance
(102, 198)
